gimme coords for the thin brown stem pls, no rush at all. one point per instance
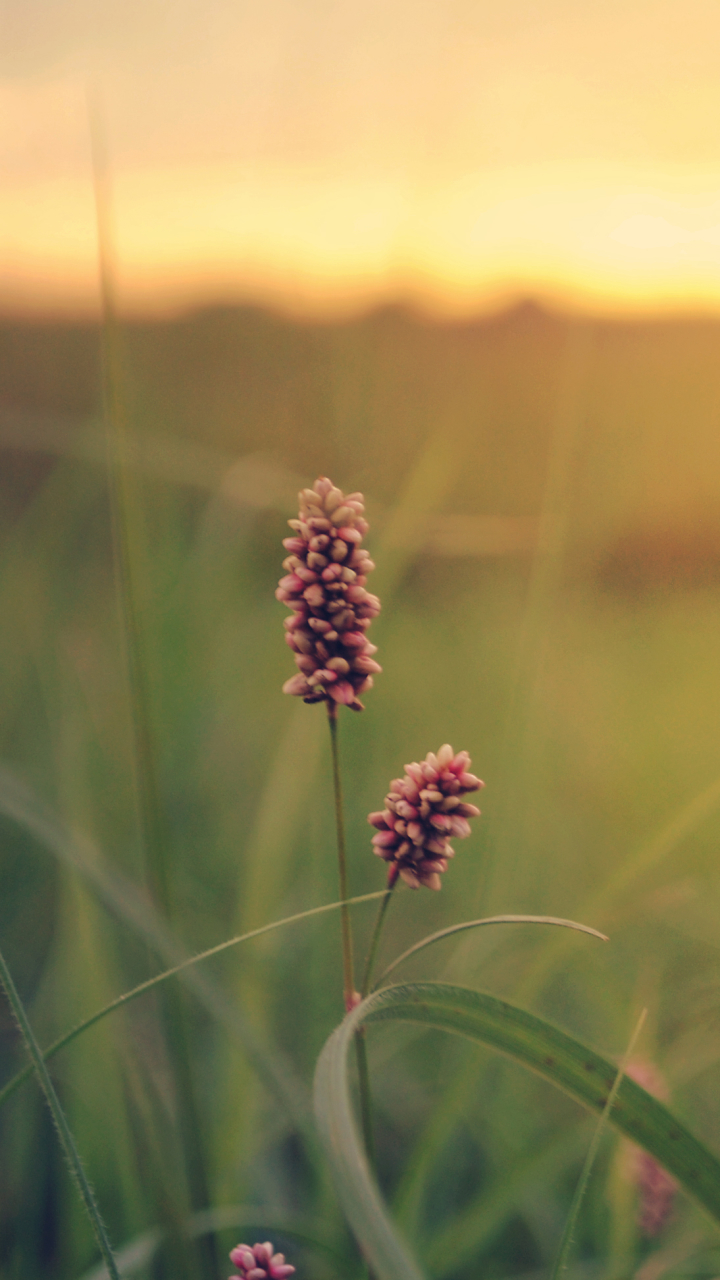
(348, 972)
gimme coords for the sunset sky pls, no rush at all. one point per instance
(324, 155)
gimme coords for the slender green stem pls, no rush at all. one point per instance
(375, 940)
(67, 1141)
(561, 1260)
(348, 971)
(347, 945)
(19, 1079)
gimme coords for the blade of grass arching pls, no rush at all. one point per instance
(65, 1136)
(661, 846)
(409, 1195)
(123, 900)
(476, 924)
(10, 1088)
(568, 1064)
(563, 1254)
(535, 1043)
(153, 819)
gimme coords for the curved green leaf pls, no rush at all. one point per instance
(537, 1044)
(476, 924)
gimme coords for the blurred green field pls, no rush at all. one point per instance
(544, 499)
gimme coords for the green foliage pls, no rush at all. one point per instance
(578, 667)
(537, 1044)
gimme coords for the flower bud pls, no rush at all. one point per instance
(259, 1262)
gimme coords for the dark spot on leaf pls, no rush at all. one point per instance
(673, 1135)
(549, 1062)
(589, 1066)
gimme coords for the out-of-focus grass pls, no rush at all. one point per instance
(545, 507)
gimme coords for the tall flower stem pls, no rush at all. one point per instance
(67, 1141)
(347, 946)
(348, 968)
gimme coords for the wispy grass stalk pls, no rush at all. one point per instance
(119, 1003)
(156, 840)
(67, 1141)
(563, 1254)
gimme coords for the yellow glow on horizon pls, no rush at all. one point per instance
(325, 157)
(596, 235)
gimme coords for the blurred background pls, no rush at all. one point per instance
(468, 261)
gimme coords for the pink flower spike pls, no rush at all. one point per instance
(325, 585)
(423, 808)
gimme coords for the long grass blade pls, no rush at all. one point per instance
(67, 1141)
(475, 924)
(573, 1067)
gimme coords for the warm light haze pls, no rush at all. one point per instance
(323, 157)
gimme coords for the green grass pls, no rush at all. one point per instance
(582, 678)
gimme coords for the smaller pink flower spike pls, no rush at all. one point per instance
(259, 1262)
(422, 811)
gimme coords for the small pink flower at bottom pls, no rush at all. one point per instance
(422, 812)
(259, 1262)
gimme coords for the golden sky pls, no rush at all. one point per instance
(328, 154)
